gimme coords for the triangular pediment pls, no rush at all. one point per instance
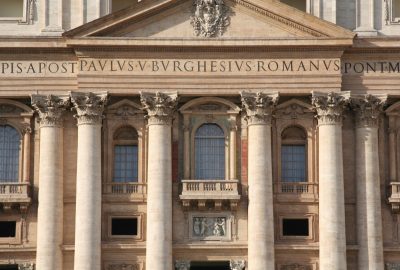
(247, 19)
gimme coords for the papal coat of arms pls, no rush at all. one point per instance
(210, 18)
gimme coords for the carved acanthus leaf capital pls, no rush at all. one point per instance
(89, 107)
(330, 106)
(368, 109)
(237, 264)
(159, 106)
(182, 265)
(259, 106)
(50, 109)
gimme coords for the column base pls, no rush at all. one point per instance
(366, 31)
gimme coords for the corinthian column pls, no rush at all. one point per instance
(259, 108)
(89, 113)
(332, 235)
(160, 107)
(50, 211)
(369, 218)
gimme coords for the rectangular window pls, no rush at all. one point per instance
(11, 8)
(9, 267)
(299, 4)
(8, 228)
(124, 226)
(125, 163)
(293, 162)
(396, 10)
(120, 4)
(295, 227)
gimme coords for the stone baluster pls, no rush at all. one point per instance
(89, 113)
(369, 219)
(160, 108)
(50, 211)
(332, 249)
(259, 108)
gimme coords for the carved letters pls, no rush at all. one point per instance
(259, 107)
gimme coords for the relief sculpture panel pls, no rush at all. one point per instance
(210, 227)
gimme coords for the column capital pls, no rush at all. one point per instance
(237, 264)
(182, 265)
(368, 108)
(50, 109)
(159, 106)
(259, 107)
(330, 106)
(89, 107)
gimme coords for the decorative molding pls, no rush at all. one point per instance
(392, 266)
(50, 109)
(182, 265)
(26, 266)
(89, 107)
(237, 264)
(210, 18)
(123, 266)
(295, 266)
(330, 106)
(259, 107)
(159, 106)
(368, 109)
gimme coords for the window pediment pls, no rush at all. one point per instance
(294, 109)
(209, 105)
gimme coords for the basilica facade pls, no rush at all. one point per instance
(195, 135)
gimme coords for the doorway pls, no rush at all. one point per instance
(220, 265)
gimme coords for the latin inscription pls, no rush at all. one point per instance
(177, 67)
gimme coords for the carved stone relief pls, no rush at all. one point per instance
(26, 266)
(210, 18)
(123, 266)
(210, 226)
(237, 264)
(182, 265)
(392, 266)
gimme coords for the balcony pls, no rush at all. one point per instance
(206, 194)
(15, 195)
(131, 191)
(394, 196)
(296, 191)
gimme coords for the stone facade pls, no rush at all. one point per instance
(76, 84)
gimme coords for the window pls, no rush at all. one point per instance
(295, 227)
(396, 10)
(121, 4)
(124, 226)
(11, 8)
(8, 228)
(9, 267)
(125, 155)
(9, 154)
(209, 152)
(299, 4)
(293, 155)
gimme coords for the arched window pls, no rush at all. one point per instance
(125, 155)
(294, 155)
(9, 154)
(209, 150)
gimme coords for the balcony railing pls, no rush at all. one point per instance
(297, 191)
(394, 196)
(15, 194)
(200, 191)
(132, 190)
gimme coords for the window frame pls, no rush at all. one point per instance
(311, 225)
(140, 227)
(27, 14)
(18, 230)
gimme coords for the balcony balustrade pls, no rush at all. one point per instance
(296, 191)
(394, 196)
(15, 194)
(216, 192)
(125, 191)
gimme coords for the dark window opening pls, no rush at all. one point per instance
(9, 267)
(124, 226)
(224, 265)
(7, 228)
(295, 227)
(299, 4)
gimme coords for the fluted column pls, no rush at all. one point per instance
(332, 235)
(369, 219)
(89, 113)
(261, 255)
(50, 210)
(160, 107)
